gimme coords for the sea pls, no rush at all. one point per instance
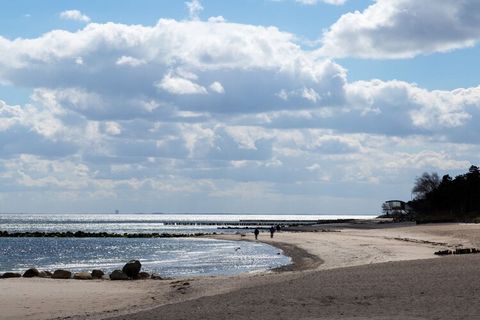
(169, 257)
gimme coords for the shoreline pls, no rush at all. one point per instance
(301, 259)
(321, 260)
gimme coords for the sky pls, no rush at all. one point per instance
(251, 106)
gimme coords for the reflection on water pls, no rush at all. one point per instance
(168, 257)
(136, 223)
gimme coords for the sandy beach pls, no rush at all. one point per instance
(338, 273)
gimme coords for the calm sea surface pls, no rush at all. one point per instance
(166, 256)
(137, 223)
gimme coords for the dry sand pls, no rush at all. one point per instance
(381, 273)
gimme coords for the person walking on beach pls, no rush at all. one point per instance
(256, 232)
(272, 231)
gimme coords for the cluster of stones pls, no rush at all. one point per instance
(457, 251)
(130, 271)
(81, 234)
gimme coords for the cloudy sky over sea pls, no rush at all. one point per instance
(293, 106)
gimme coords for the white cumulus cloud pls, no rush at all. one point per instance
(193, 108)
(217, 87)
(130, 61)
(404, 29)
(180, 86)
(74, 15)
(194, 9)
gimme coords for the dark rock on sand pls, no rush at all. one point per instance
(132, 268)
(44, 274)
(118, 275)
(466, 251)
(61, 274)
(30, 273)
(156, 276)
(97, 274)
(83, 276)
(443, 252)
(457, 251)
(7, 275)
(143, 276)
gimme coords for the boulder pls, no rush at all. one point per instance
(83, 276)
(61, 274)
(30, 273)
(44, 274)
(443, 252)
(156, 276)
(132, 268)
(462, 251)
(143, 276)
(7, 275)
(97, 274)
(118, 275)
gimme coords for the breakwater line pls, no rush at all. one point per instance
(81, 234)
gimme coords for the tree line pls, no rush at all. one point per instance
(446, 199)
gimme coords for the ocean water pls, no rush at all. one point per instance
(139, 223)
(173, 257)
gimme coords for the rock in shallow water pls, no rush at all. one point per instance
(61, 274)
(143, 276)
(97, 274)
(82, 276)
(30, 273)
(132, 268)
(118, 275)
(7, 275)
(44, 274)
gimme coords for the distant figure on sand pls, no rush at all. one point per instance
(256, 232)
(272, 231)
